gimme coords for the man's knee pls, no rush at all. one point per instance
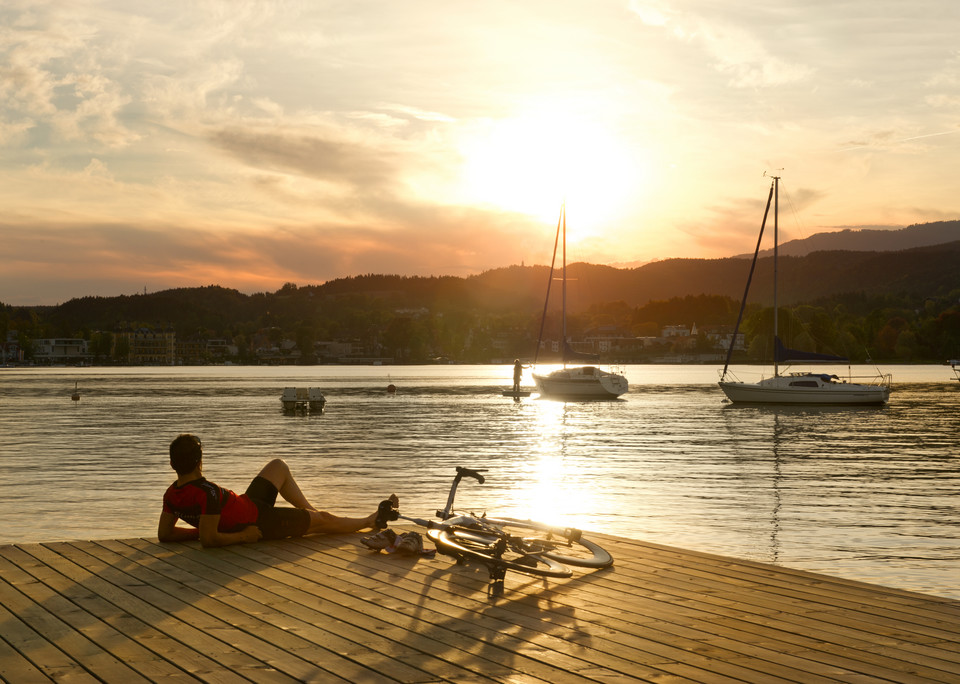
(275, 470)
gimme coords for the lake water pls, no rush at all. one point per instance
(862, 493)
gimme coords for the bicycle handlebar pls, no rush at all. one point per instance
(475, 474)
(387, 511)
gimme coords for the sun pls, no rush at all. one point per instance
(533, 162)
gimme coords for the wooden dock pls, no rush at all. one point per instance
(325, 609)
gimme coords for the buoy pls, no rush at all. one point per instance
(391, 389)
(76, 392)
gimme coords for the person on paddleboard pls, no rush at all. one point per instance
(220, 517)
(517, 375)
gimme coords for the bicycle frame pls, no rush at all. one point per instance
(490, 534)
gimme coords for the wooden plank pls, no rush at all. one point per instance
(609, 646)
(73, 635)
(35, 634)
(455, 608)
(707, 594)
(832, 592)
(365, 622)
(672, 655)
(123, 613)
(827, 660)
(70, 602)
(767, 575)
(212, 654)
(327, 609)
(300, 620)
(187, 598)
(340, 600)
(14, 667)
(866, 627)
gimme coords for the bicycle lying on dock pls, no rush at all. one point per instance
(503, 543)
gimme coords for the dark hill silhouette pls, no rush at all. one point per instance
(189, 307)
(926, 272)
(873, 240)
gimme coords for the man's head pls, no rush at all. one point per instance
(185, 453)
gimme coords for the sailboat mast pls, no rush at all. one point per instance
(550, 279)
(746, 289)
(776, 240)
(563, 346)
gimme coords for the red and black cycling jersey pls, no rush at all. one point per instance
(201, 497)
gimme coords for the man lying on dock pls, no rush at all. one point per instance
(219, 517)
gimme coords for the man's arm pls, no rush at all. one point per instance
(167, 530)
(211, 536)
(208, 534)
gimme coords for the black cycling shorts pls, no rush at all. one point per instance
(276, 523)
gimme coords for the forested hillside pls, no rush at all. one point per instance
(923, 271)
(900, 304)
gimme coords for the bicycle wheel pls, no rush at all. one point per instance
(482, 547)
(566, 545)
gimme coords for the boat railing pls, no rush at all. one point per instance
(878, 379)
(758, 372)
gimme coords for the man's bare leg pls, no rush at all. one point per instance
(322, 522)
(278, 472)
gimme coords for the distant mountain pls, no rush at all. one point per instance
(921, 272)
(929, 271)
(872, 240)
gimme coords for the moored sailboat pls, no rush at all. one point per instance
(803, 387)
(577, 382)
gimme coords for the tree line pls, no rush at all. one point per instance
(418, 320)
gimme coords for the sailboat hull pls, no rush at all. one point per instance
(808, 389)
(584, 382)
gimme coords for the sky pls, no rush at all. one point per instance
(153, 145)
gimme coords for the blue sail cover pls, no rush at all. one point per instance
(569, 354)
(783, 355)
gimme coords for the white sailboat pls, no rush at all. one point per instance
(803, 387)
(577, 382)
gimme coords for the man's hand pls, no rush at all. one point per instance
(251, 534)
(211, 536)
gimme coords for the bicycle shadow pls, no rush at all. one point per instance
(506, 622)
(449, 611)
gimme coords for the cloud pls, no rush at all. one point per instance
(316, 156)
(747, 62)
(56, 73)
(107, 259)
(741, 50)
(650, 13)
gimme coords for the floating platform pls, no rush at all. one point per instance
(302, 399)
(517, 395)
(326, 609)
